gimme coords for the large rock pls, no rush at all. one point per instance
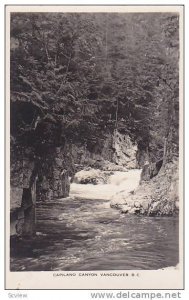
(91, 176)
(156, 197)
(53, 180)
(34, 178)
(22, 191)
(142, 156)
(151, 170)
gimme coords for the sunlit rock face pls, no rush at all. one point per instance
(114, 153)
(124, 151)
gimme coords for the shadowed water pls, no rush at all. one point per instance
(86, 234)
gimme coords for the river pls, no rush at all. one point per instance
(81, 233)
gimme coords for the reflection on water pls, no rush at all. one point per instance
(84, 234)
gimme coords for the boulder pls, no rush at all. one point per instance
(125, 209)
(90, 176)
(151, 170)
(137, 204)
(133, 210)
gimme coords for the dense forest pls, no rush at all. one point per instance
(76, 78)
(96, 73)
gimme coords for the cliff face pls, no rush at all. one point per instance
(38, 169)
(124, 151)
(154, 197)
(22, 191)
(35, 179)
(114, 152)
(53, 176)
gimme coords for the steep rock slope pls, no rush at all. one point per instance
(158, 196)
(38, 168)
(114, 153)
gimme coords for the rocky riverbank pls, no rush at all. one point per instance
(156, 197)
(132, 192)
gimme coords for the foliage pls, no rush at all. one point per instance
(94, 73)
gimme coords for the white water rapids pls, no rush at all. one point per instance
(118, 182)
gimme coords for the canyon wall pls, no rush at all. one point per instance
(114, 152)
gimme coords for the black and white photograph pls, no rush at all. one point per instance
(95, 158)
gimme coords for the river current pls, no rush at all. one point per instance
(86, 234)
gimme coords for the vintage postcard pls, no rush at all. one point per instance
(94, 147)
